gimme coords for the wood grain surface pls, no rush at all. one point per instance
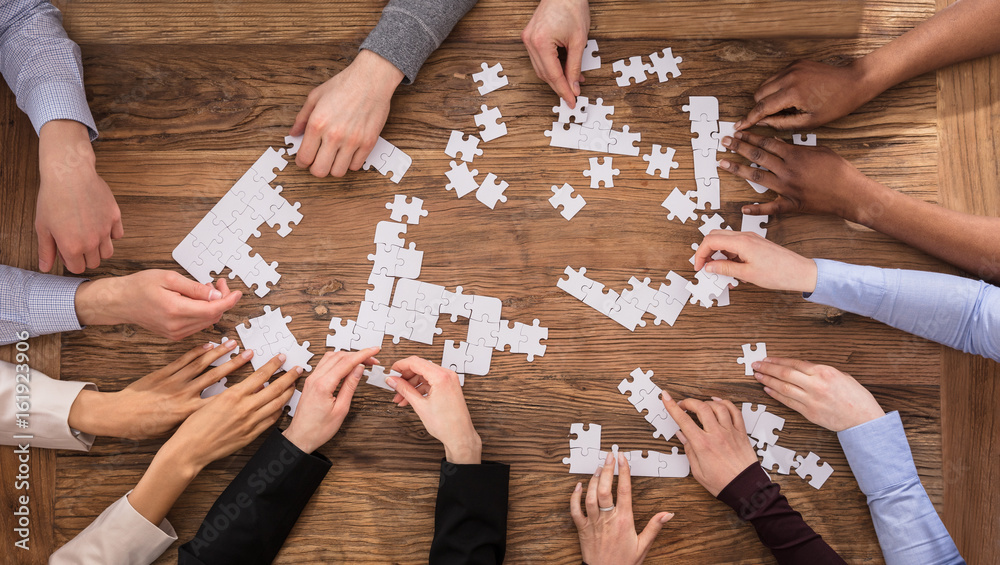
(186, 103)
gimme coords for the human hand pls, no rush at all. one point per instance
(320, 413)
(718, 450)
(76, 214)
(807, 94)
(824, 395)
(231, 419)
(811, 180)
(756, 260)
(342, 117)
(164, 302)
(159, 401)
(555, 24)
(441, 408)
(608, 536)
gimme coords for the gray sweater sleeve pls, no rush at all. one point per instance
(410, 30)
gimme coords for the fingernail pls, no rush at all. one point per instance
(230, 344)
(767, 390)
(738, 124)
(667, 518)
(298, 370)
(214, 295)
(578, 487)
(739, 135)
(208, 346)
(727, 141)
(391, 381)
(710, 268)
(576, 88)
(597, 473)
(723, 163)
(716, 398)
(246, 353)
(282, 357)
(755, 364)
(745, 209)
(666, 396)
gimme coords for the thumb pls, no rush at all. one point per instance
(406, 390)
(574, 60)
(189, 288)
(46, 251)
(728, 268)
(775, 207)
(649, 533)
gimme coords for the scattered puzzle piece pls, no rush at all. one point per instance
(563, 196)
(667, 64)
(635, 70)
(457, 143)
(679, 206)
(602, 172)
(775, 455)
(490, 191)
(461, 179)
(413, 210)
(490, 77)
(808, 467)
(752, 355)
(489, 120)
(660, 160)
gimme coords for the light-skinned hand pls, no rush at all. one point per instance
(342, 117)
(756, 260)
(609, 537)
(226, 422)
(164, 302)
(718, 449)
(76, 215)
(555, 24)
(824, 395)
(158, 402)
(811, 180)
(233, 418)
(321, 411)
(436, 397)
(806, 95)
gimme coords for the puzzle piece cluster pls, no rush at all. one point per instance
(387, 158)
(645, 396)
(762, 427)
(703, 113)
(585, 456)
(268, 335)
(591, 129)
(628, 307)
(636, 70)
(411, 311)
(220, 238)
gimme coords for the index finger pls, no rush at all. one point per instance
(716, 240)
(431, 372)
(548, 68)
(624, 502)
(708, 418)
(765, 107)
(260, 376)
(687, 424)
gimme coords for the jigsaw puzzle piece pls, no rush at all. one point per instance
(679, 206)
(661, 161)
(413, 210)
(640, 385)
(563, 196)
(409, 262)
(677, 464)
(377, 156)
(422, 328)
(754, 223)
(479, 358)
(665, 65)
(766, 428)
(510, 336)
(623, 142)
(602, 172)
(565, 135)
(591, 60)
(489, 120)
(593, 138)
(627, 314)
(342, 336)
(712, 223)
(455, 358)
(576, 284)
(372, 315)
(750, 416)
(218, 388)
(267, 162)
(751, 355)
(645, 466)
(367, 337)
(634, 70)
(285, 215)
(385, 259)
(456, 304)
(400, 321)
(490, 77)
(483, 333)
(808, 466)
(597, 299)
(293, 142)
(577, 114)
(457, 143)
(461, 179)
(532, 335)
(775, 455)
(485, 308)
(702, 108)
(377, 374)
(491, 191)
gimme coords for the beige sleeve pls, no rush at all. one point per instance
(49, 401)
(119, 536)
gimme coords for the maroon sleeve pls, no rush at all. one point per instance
(782, 530)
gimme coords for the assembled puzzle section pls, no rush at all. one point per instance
(663, 66)
(762, 429)
(644, 395)
(268, 335)
(220, 238)
(629, 307)
(585, 456)
(591, 128)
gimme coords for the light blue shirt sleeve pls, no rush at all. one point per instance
(955, 311)
(42, 65)
(909, 529)
(36, 302)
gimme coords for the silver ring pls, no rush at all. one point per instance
(608, 509)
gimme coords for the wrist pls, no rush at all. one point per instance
(96, 304)
(380, 71)
(89, 414)
(871, 77)
(173, 455)
(64, 145)
(468, 451)
(299, 440)
(871, 205)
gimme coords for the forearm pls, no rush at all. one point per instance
(410, 30)
(42, 65)
(37, 303)
(781, 529)
(266, 497)
(965, 30)
(909, 529)
(954, 311)
(470, 517)
(931, 229)
(163, 482)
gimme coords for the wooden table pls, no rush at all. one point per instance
(185, 104)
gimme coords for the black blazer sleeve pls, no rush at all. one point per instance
(251, 519)
(470, 520)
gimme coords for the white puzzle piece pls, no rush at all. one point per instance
(634, 70)
(679, 206)
(565, 135)
(457, 143)
(489, 120)
(752, 354)
(377, 374)
(490, 191)
(490, 77)
(563, 196)
(623, 142)
(591, 60)
(601, 173)
(661, 161)
(808, 467)
(754, 223)
(665, 65)
(413, 210)
(461, 179)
